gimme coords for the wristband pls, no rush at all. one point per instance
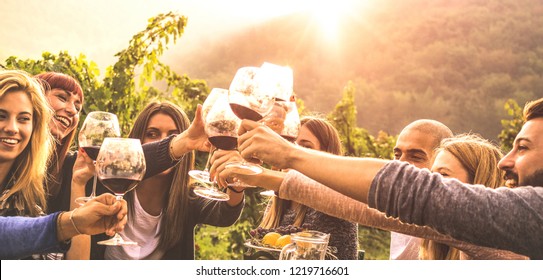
(73, 223)
(234, 190)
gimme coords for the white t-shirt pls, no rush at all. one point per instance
(142, 228)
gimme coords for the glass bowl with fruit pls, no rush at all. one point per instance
(266, 243)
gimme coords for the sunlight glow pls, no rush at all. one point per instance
(328, 15)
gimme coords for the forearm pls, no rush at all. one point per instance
(304, 190)
(347, 175)
(80, 249)
(23, 236)
(236, 196)
(419, 197)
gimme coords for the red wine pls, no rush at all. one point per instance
(119, 185)
(224, 142)
(245, 113)
(92, 151)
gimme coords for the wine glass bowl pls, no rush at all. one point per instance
(97, 126)
(248, 99)
(291, 124)
(277, 81)
(120, 166)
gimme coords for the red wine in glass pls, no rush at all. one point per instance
(120, 186)
(243, 112)
(224, 142)
(92, 151)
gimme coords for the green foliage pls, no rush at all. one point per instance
(358, 141)
(453, 61)
(221, 243)
(375, 243)
(511, 127)
(118, 92)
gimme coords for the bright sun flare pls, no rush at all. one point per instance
(328, 15)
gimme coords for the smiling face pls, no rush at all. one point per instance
(15, 124)
(66, 107)
(523, 165)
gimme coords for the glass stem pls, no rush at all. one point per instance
(211, 150)
(93, 193)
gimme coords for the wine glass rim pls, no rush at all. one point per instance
(121, 138)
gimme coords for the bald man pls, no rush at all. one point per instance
(416, 145)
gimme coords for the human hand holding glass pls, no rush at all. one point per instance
(120, 166)
(216, 93)
(221, 126)
(97, 126)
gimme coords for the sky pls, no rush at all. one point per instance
(100, 28)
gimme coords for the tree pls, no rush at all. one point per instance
(512, 126)
(118, 92)
(358, 141)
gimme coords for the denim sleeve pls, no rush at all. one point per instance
(23, 236)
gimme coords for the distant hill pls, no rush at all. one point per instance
(454, 61)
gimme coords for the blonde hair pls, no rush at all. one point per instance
(479, 158)
(329, 142)
(29, 168)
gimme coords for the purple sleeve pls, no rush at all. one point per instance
(508, 219)
(23, 236)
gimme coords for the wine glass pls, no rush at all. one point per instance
(221, 126)
(250, 98)
(120, 166)
(203, 175)
(97, 126)
(278, 81)
(291, 125)
(247, 96)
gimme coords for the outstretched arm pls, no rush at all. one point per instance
(349, 176)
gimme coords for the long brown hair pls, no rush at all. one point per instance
(330, 142)
(175, 214)
(479, 158)
(50, 81)
(29, 168)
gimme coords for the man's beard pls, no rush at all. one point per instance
(534, 180)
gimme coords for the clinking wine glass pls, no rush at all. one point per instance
(221, 126)
(216, 93)
(120, 166)
(97, 126)
(278, 81)
(249, 98)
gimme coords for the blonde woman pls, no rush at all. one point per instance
(25, 144)
(470, 159)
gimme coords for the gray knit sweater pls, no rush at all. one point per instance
(509, 219)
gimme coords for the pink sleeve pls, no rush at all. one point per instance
(304, 190)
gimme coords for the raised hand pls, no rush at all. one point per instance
(194, 138)
(218, 161)
(259, 141)
(83, 168)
